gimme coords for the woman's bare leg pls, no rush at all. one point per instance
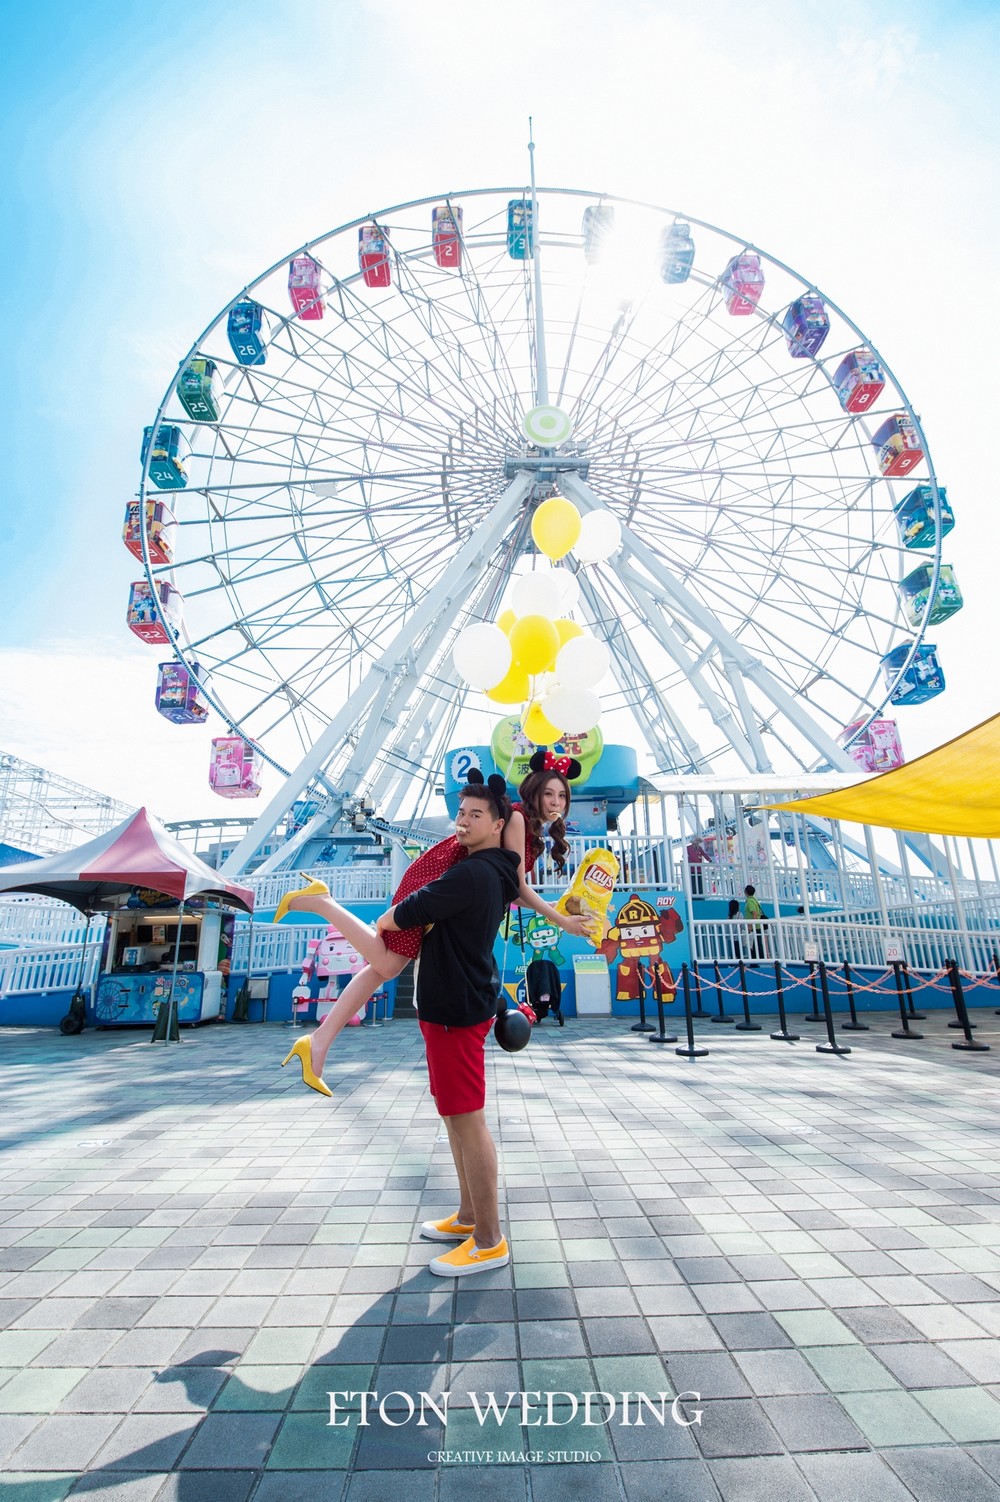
(359, 989)
(364, 938)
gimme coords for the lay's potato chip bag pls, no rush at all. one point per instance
(591, 890)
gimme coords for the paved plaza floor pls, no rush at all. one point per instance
(195, 1251)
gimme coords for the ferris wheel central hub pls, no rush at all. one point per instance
(546, 467)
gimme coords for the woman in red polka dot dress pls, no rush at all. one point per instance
(544, 800)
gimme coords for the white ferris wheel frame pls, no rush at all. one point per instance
(391, 705)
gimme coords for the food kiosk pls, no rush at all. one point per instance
(143, 944)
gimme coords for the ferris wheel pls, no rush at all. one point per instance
(354, 447)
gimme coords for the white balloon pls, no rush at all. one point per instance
(600, 537)
(582, 663)
(482, 655)
(572, 709)
(534, 594)
(567, 590)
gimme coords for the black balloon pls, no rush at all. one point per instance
(512, 1030)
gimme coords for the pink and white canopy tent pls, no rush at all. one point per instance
(136, 853)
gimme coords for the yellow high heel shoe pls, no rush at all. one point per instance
(302, 1050)
(313, 889)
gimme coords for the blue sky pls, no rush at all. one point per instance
(153, 162)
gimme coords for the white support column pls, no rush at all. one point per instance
(428, 625)
(622, 650)
(735, 677)
(722, 715)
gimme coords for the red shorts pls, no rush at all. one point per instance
(456, 1066)
(426, 868)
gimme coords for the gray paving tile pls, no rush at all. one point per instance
(713, 1374)
(762, 1479)
(772, 1373)
(551, 1338)
(382, 1448)
(934, 1474)
(736, 1426)
(376, 1486)
(619, 1337)
(231, 1441)
(300, 1486)
(813, 1422)
(108, 1389)
(404, 1343)
(852, 1477)
(567, 1483)
(879, 1324)
(749, 1332)
(492, 1484)
(478, 1341)
(678, 1480)
(921, 1365)
(147, 1442)
(208, 1486)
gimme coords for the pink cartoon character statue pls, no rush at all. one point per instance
(326, 959)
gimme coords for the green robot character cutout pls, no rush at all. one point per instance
(542, 937)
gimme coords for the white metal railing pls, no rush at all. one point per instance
(645, 861)
(281, 948)
(839, 941)
(346, 883)
(32, 969)
(31, 920)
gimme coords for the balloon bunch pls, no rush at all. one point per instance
(536, 655)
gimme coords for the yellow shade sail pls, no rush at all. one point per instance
(953, 790)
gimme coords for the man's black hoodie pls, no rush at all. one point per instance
(456, 981)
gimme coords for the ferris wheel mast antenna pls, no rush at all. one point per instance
(541, 364)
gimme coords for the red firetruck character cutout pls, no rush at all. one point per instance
(638, 937)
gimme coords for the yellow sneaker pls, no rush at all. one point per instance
(449, 1229)
(313, 889)
(469, 1258)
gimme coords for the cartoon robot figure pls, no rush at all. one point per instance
(543, 939)
(326, 959)
(637, 937)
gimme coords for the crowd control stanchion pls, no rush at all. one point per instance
(690, 1052)
(782, 1035)
(962, 1010)
(662, 1036)
(854, 1026)
(718, 991)
(642, 1026)
(904, 1031)
(658, 992)
(815, 1015)
(832, 1046)
(746, 1026)
(915, 1016)
(698, 1009)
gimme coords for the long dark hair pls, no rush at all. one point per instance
(530, 793)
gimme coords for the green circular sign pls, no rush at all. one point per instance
(547, 426)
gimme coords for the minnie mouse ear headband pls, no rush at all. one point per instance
(552, 761)
(496, 784)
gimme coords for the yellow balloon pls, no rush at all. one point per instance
(555, 527)
(513, 689)
(534, 641)
(506, 620)
(539, 730)
(567, 630)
